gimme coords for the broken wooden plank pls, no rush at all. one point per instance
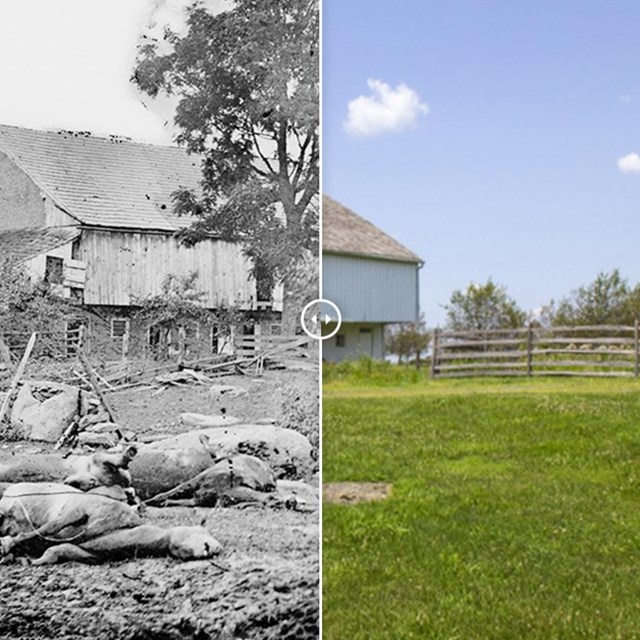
(18, 375)
(96, 387)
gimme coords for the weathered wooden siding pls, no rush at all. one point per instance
(124, 266)
(74, 271)
(56, 217)
(38, 264)
(21, 201)
(371, 290)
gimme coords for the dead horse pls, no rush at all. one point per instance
(63, 523)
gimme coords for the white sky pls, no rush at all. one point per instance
(66, 64)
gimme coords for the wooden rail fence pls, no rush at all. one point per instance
(602, 350)
(251, 345)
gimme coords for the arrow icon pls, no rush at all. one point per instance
(312, 323)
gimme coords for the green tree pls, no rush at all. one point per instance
(247, 80)
(408, 339)
(483, 307)
(606, 300)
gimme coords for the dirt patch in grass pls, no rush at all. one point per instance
(354, 492)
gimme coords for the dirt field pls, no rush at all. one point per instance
(265, 584)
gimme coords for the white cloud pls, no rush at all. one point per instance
(629, 163)
(385, 110)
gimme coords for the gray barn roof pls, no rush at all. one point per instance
(28, 243)
(345, 232)
(107, 182)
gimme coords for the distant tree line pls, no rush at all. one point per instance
(609, 299)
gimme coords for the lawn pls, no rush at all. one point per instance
(515, 510)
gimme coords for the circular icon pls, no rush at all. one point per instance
(321, 319)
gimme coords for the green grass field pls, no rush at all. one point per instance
(515, 510)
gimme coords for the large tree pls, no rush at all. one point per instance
(247, 82)
(483, 307)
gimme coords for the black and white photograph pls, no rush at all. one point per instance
(159, 393)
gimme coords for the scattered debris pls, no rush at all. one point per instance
(16, 378)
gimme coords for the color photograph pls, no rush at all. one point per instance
(480, 401)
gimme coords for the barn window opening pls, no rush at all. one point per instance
(76, 295)
(341, 340)
(215, 339)
(76, 254)
(119, 327)
(276, 329)
(264, 283)
(365, 330)
(154, 336)
(248, 329)
(53, 272)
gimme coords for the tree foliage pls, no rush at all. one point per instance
(483, 307)
(179, 304)
(609, 299)
(247, 80)
(28, 305)
(407, 340)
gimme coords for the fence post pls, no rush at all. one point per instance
(529, 350)
(434, 355)
(636, 368)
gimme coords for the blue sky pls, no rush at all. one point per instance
(496, 150)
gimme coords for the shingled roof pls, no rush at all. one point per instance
(345, 232)
(106, 182)
(27, 243)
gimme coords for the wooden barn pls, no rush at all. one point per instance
(94, 217)
(371, 277)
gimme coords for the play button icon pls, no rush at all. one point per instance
(321, 319)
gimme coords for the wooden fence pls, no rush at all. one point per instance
(603, 350)
(251, 345)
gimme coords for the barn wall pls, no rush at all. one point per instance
(36, 266)
(21, 200)
(196, 340)
(371, 290)
(123, 266)
(358, 340)
(56, 217)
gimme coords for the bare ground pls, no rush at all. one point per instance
(265, 584)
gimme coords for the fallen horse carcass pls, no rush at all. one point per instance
(238, 479)
(287, 452)
(155, 470)
(229, 481)
(83, 472)
(59, 523)
(163, 465)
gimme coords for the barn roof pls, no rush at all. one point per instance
(345, 232)
(107, 182)
(27, 243)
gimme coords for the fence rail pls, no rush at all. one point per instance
(250, 345)
(599, 351)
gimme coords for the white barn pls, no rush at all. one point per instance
(371, 277)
